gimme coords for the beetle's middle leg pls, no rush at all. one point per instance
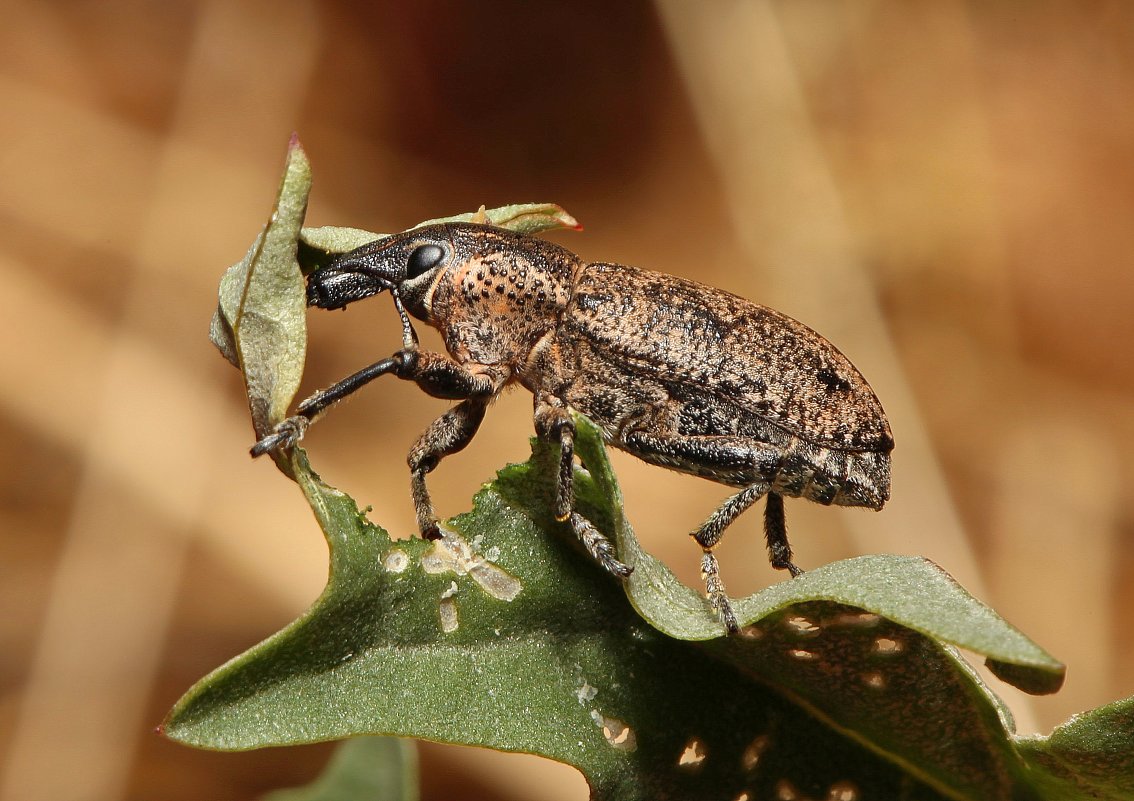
(553, 423)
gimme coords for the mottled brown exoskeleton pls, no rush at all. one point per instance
(679, 374)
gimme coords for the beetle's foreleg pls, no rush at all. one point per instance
(315, 405)
(446, 435)
(441, 377)
(291, 430)
(553, 423)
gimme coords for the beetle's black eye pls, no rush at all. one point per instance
(423, 259)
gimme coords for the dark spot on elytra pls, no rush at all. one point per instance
(592, 302)
(832, 380)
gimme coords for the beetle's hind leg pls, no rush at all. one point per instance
(727, 459)
(553, 423)
(775, 533)
(710, 533)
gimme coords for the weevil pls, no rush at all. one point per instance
(677, 373)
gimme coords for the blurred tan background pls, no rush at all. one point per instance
(944, 189)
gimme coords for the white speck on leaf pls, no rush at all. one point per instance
(801, 626)
(785, 791)
(843, 791)
(693, 756)
(617, 734)
(887, 646)
(452, 554)
(395, 561)
(448, 611)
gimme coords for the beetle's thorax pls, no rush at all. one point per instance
(500, 295)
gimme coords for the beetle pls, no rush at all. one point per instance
(677, 373)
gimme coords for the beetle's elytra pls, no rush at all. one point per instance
(679, 374)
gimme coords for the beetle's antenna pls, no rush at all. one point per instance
(409, 336)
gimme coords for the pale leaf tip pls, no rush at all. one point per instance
(568, 220)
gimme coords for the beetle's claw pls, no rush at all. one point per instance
(724, 611)
(607, 559)
(288, 433)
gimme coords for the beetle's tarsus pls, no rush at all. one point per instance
(565, 491)
(614, 566)
(775, 532)
(598, 546)
(724, 612)
(714, 588)
(287, 434)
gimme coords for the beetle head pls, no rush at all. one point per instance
(406, 264)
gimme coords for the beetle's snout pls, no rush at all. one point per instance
(334, 286)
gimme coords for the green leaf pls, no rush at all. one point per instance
(330, 239)
(504, 634)
(1089, 756)
(524, 218)
(362, 769)
(260, 324)
(567, 669)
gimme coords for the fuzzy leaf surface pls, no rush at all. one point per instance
(817, 695)
(1089, 756)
